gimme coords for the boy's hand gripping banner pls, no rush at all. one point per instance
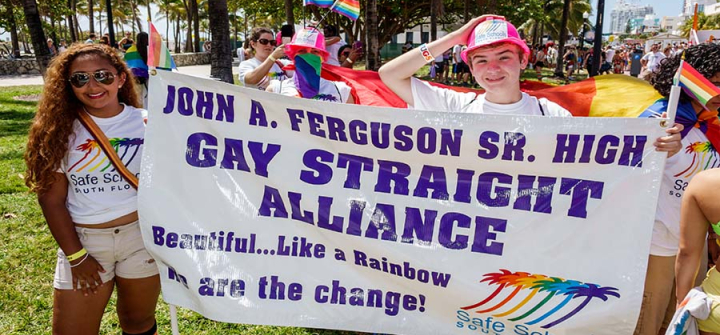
(267, 209)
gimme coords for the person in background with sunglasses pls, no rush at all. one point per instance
(91, 211)
(266, 64)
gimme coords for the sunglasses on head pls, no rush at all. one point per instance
(79, 79)
(265, 41)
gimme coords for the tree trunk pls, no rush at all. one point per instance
(71, 22)
(91, 14)
(13, 30)
(195, 24)
(561, 40)
(188, 37)
(289, 15)
(148, 10)
(34, 24)
(373, 46)
(466, 11)
(53, 35)
(433, 19)
(177, 36)
(221, 56)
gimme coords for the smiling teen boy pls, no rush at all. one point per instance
(496, 56)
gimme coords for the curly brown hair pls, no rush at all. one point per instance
(705, 58)
(57, 110)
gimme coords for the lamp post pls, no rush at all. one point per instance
(586, 15)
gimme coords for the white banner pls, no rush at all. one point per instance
(275, 210)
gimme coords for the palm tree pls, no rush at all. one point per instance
(527, 282)
(551, 285)
(34, 24)
(90, 11)
(221, 56)
(568, 289)
(491, 279)
(509, 280)
(589, 291)
(561, 41)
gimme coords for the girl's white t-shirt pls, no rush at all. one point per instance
(275, 73)
(97, 193)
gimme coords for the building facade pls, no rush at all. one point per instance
(623, 14)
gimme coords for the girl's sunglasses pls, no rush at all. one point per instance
(265, 41)
(79, 79)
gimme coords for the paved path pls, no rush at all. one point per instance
(195, 70)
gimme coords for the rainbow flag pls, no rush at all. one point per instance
(158, 53)
(695, 84)
(135, 62)
(347, 8)
(319, 3)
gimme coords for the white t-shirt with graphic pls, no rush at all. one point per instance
(697, 154)
(97, 193)
(653, 59)
(432, 98)
(275, 73)
(334, 91)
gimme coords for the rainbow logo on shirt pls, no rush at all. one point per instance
(704, 157)
(129, 147)
(553, 293)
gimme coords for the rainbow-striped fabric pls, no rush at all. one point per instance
(158, 53)
(347, 8)
(695, 84)
(319, 3)
(135, 62)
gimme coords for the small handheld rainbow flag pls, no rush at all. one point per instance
(135, 62)
(695, 84)
(347, 8)
(158, 53)
(319, 3)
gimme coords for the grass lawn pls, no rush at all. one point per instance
(27, 263)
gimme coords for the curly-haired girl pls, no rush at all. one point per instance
(91, 211)
(698, 154)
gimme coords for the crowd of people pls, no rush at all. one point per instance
(89, 92)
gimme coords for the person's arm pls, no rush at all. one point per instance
(332, 40)
(52, 202)
(351, 58)
(256, 75)
(396, 74)
(693, 227)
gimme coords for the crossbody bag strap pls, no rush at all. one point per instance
(104, 144)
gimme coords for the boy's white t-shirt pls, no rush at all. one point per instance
(275, 73)
(96, 191)
(333, 91)
(432, 98)
(696, 155)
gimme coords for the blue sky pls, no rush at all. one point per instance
(661, 7)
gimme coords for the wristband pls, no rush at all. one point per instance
(76, 255)
(272, 59)
(349, 60)
(426, 53)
